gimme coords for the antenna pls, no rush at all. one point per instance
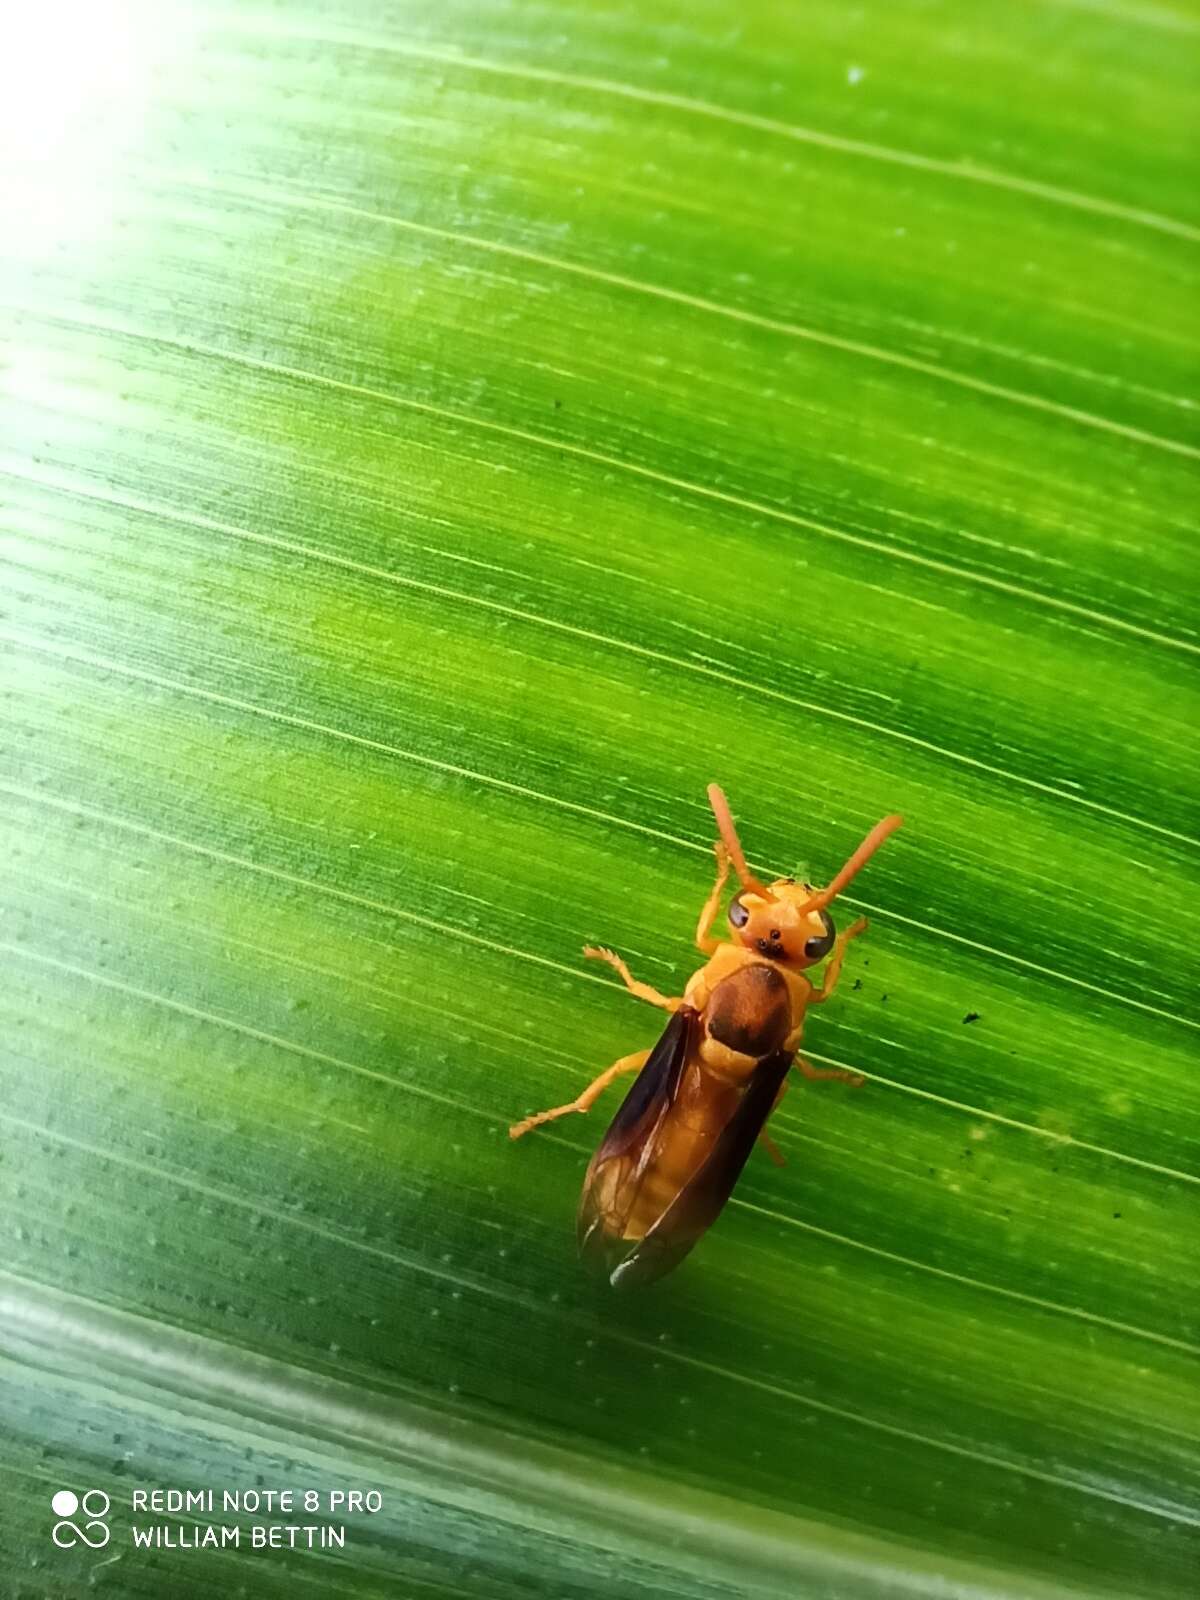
(720, 805)
(857, 861)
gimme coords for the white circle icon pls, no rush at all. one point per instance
(64, 1503)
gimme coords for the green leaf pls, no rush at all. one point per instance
(438, 440)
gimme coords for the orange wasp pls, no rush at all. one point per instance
(677, 1146)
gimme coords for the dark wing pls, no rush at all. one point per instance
(615, 1172)
(700, 1202)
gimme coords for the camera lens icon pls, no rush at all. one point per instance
(94, 1531)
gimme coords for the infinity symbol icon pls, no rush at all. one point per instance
(95, 1533)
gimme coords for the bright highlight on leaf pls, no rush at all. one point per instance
(436, 441)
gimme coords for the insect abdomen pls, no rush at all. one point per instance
(750, 1011)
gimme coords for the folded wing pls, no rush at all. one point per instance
(627, 1151)
(615, 1174)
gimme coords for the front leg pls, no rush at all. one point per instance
(590, 1095)
(642, 990)
(704, 934)
(834, 970)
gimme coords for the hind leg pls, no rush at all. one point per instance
(765, 1139)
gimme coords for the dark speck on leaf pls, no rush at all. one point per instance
(558, 405)
(883, 997)
(858, 983)
(971, 1016)
(1116, 1216)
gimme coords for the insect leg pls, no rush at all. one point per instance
(765, 1139)
(590, 1095)
(834, 970)
(704, 934)
(772, 1149)
(807, 1070)
(642, 990)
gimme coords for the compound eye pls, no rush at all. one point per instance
(819, 946)
(738, 915)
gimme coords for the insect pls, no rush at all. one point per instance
(703, 1094)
